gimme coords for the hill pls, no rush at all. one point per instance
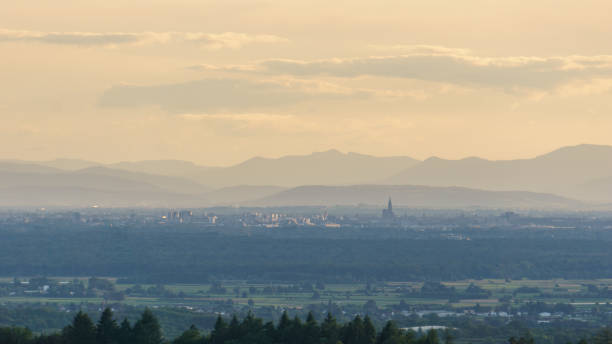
(323, 168)
(569, 171)
(413, 196)
(34, 185)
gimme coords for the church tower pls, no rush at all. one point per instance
(387, 214)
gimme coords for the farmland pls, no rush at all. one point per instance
(493, 293)
(408, 303)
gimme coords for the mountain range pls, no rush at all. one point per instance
(555, 179)
(582, 172)
(415, 196)
(321, 168)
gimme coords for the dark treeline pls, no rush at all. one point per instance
(192, 257)
(250, 330)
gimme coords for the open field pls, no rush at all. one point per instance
(469, 306)
(384, 294)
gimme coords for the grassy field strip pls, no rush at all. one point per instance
(384, 294)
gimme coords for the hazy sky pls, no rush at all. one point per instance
(217, 82)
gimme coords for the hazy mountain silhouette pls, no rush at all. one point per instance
(56, 164)
(322, 168)
(69, 164)
(241, 194)
(569, 171)
(168, 183)
(34, 185)
(413, 196)
(176, 168)
(76, 197)
(579, 172)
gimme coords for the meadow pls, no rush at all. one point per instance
(579, 293)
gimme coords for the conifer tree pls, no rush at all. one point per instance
(311, 330)
(219, 332)
(124, 334)
(448, 337)
(147, 330)
(284, 328)
(330, 330)
(191, 336)
(353, 332)
(604, 336)
(234, 329)
(15, 335)
(432, 337)
(296, 333)
(107, 328)
(369, 331)
(390, 334)
(81, 331)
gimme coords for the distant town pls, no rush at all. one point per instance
(311, 217)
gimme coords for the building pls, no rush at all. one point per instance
(387, 214)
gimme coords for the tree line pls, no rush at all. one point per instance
(159, 257)
(251, 330)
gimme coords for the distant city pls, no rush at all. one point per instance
(232, 218)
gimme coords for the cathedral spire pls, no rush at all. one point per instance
(387, 214)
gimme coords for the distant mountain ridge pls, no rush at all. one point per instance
(413, 196)
(581, 172)
(322, 168)
(566, 171)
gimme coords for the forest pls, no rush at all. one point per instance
(249, 330)
(168, 256)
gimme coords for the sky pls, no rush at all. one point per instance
(218, 82)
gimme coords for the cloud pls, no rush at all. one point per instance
(242, 124)
(224, 68)
(247, 124)
(223, 95)
(230, 40)
(455, 67)
(247, 117)
(212, 41)
(420, 49)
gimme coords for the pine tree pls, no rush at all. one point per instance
(369, 331)
(604, 336)
(251, 324)
(390, 334)
(253, 330)
(269, 332)
(432, 337)
(81, 331)
(284, 328)
(448, 337)
(147, 330)
(284, 321)
(191, 336)
(15, 335)
(234, 331)
(219, 332)
(124, 334)
(311, 330)
(354, 332)
(107, 328)
(330, 332)
(296, 333)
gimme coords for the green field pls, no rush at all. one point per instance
(384, 294)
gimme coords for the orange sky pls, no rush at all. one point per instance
(217, 82)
